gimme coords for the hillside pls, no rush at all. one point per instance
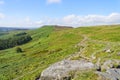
(6, 31)
(51, 44)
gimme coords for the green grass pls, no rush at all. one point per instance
(89, 75)
(51, 44)
(48, 46)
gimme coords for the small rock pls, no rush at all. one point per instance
(118, 54)
(108, 51)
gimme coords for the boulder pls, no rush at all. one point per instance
(62, 70)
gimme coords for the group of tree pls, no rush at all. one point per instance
(15, 40)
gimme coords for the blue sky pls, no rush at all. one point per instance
(35, 13)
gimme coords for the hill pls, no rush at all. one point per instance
(5, 29)
(51, 44)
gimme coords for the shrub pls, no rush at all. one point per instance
(18, 50)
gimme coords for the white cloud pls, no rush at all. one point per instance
(39, 22)
(114, 18)
(69, 20)
(1, 2)
(2, 16)
(88, 20)
(75, 20)
(53, 1)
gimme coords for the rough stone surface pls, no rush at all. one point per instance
(110, 64)
(110, 74)
(61, 70)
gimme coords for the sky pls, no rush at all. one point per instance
(36, 13)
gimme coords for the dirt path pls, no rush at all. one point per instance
(83, 46)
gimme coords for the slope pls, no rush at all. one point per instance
(50, 44)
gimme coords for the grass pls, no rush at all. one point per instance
(87, 75)
(51, 44)
(48, 46)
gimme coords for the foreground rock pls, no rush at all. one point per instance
(62, 70)
(108, 64)
(110, 74)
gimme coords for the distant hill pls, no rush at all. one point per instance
(5, 29)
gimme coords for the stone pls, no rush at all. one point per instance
(108, 51)
(118, 53)
(110, 64)
(61, 70)
(110, 74)
(107, 65)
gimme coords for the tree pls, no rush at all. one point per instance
(14, 41)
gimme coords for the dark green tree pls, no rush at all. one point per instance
(14, 41)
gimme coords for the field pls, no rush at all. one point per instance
(50, 44)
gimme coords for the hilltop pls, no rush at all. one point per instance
(51, 44)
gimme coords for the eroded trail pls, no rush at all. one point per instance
(82, 47)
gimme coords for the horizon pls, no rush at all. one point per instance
(34, 14)
(57, 25)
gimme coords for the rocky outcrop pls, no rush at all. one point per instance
(110, 74)
(110, 70)
(108, 64)
(62, 70)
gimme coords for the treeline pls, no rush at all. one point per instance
(18, 39)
